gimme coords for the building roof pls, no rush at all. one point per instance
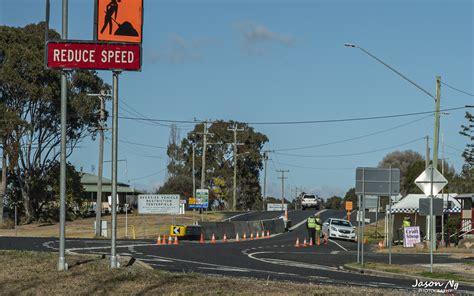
(89, 182)
(411, 202)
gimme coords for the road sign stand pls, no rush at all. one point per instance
(390, 230)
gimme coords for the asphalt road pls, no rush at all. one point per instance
(275, 258)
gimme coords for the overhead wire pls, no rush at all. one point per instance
(457, 89)
(350, 154)
(150, 175)
(354, 138)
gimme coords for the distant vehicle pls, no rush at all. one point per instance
(339, 228)
(310, 201)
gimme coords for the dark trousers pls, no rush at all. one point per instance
(312, 234)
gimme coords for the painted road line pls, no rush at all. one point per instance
(235, 216)
(304, 220)
(225, 269)
(107, 247)
(155, 260)
(288, 262)
(338, 245)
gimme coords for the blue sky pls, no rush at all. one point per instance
(261, 61)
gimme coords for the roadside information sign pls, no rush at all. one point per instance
(92, 55)
(201, 201)
(177, 230)
(277, 207)
(158, 204)
(120, 20)
(411, 236)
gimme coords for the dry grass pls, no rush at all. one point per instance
(454, 251)
(33, 273)
(451, 271)
(144, 226)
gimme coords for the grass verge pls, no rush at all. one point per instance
(34, 273)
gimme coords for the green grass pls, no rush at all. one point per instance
(442, 275)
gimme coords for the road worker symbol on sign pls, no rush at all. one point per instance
(120, 20)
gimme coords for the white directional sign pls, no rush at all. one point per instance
(431, 176)
(158, 204)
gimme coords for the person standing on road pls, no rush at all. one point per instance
(311, 226)
(318, 227)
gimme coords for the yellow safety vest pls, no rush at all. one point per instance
(318, 225)
(406, 223)
(311, 222)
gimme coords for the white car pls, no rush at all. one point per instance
(339, 228)
(310, 201)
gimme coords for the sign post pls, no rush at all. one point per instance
(431, 181)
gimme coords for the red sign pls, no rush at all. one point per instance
(97, 56)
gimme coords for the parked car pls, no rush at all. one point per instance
(339, 228)
(310, 201)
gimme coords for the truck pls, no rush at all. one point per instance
(310, 201)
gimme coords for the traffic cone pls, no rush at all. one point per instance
(311, 242)
(286, 215)
(257, 237)
(268, 233)
(163, 242)
(251, 236)
(304, 243)
(170, 240)
(176, 240)
(158, 240)
(237, 237)
(318, 240)
(213, 239)
(202, 238)
(326, 238)
(225, 238)
(263, 233)
(381, 244)
(297, 244)
(244, 237)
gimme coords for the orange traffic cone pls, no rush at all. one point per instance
(175, 240)
(286, 215)
(202, 238)
(170, 240)
(326, 239)
(244, 237)
(237, 237)
(297, 244)
(225, 238)
(158, 240)
(257, 237)
(213, 239)
(268, 233)
(304, 243)
(251, 236)
(163, 242)
(381, 244)
(263, 233)
(311, 242)
(318, 240)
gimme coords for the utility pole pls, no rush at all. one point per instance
(194, 171)
(265, 159)
(427, 157)
(204, 145)
(235, 129)
(282, 178)
(62, 265)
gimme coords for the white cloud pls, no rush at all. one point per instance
(177, 50)
(255, 36)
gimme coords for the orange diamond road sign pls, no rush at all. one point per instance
(120, 20)
(348, 205)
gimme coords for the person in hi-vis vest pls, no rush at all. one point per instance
(311, 226)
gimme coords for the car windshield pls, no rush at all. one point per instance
(309, 196)
(341, 223)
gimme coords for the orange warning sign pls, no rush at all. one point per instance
(348, 205)
(120, 20)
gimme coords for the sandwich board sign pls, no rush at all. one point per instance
(158, 204)
(119, 20)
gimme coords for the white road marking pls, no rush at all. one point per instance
(288, 262)
(225, 269)
(235, 216)
(334, 252)
(106, 247)
(338, 245)
(304, 220)
(155, 260)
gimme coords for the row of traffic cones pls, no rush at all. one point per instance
(162, 240)
(237, 237)
(306, 244)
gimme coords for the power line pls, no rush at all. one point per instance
(351, 154)
(314, 168)
(142, 144)
(457, 89)
(308, 121)
(354, 138)
(150, 175)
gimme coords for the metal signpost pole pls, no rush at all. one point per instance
(358, 228)
(126, 220)
(62, 265)
(363, 219)
(265, 158)
(113, 255)
(98, 206)
(390, 226)
(432, 225)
